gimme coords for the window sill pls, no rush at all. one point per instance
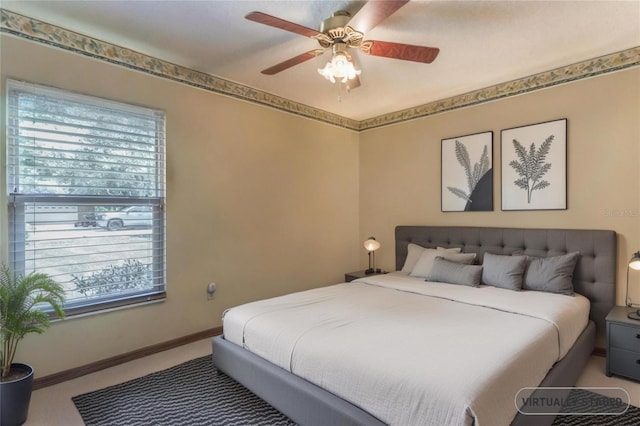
(88, 311)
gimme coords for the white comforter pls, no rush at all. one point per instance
(411, 352)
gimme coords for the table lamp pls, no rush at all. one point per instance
(634, 263)
(372, 245)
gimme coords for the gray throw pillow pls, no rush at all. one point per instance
(414, 252)
(425, 263)
(446, 271)
(503, 271)
(551, 274)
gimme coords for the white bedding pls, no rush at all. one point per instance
(411, 352)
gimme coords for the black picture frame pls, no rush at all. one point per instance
(466, 173)
(534, 166)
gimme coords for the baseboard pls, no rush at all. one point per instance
(600, 352)
(73, 373)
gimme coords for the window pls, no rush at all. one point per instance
(86, 192)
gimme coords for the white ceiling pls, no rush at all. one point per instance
(481, 43)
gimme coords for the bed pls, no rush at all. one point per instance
(349, 357)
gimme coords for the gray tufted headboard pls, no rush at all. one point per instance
(595, 273)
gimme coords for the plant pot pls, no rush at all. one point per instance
(15, 396)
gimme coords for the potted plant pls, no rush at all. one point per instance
(20, 300)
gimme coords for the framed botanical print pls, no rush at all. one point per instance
(534, 166)
(467, 173)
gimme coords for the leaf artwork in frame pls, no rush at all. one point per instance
(467, 174)
(534, 166)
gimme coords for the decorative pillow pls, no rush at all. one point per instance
(503, 271)
(451, 249)
(414, 252)
(425, 263)
(551, 274)
(446, 271)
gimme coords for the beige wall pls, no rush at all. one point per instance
(400, 165)
(265, 203)
(259, 201)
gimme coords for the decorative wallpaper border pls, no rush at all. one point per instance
(32, 29)
(35, 30)
(590, 68)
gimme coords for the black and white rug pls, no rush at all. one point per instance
(585, 399)
(194, 393)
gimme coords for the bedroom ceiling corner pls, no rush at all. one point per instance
(481, 43)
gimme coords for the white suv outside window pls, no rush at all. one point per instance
(141, 216)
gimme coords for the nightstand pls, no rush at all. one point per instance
(348, 277)
(623, 344)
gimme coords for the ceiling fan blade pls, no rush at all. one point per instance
(374, 12)
(406, 52)
(293, 61)
(272, 21)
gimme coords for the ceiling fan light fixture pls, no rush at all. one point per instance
(341, 32)
(339, 68)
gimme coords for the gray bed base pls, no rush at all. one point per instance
(308, 404)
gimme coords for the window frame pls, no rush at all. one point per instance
(17, 202)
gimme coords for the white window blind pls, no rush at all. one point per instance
(86, 190)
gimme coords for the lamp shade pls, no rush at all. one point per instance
(634, 263)
(339, 68)
(371, 244)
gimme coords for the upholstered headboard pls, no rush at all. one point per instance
(595, 273)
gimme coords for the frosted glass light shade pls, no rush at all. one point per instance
(371, 244)
(339, 68)
(634, 263)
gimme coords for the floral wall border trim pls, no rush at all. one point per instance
(42, 32)
(590, 68)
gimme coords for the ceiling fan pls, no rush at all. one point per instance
(341, 32)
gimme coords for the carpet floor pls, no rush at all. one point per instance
(194, 393)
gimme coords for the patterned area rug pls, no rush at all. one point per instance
(194, 393)
(583, 398)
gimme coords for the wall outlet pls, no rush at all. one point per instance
(211, 290)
